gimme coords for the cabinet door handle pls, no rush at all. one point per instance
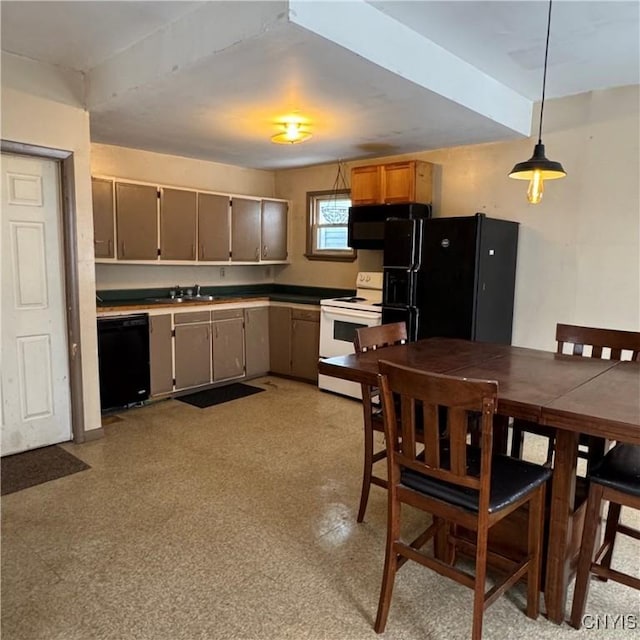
(193, 251)
(257, 253)
(201, 252)
(110, 246)
(122, 249)
(265, 251)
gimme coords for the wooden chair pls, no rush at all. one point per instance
(367, 339)
(617, 342)
(458, 484)
(616, 479)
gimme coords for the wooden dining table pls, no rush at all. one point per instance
(573, 394)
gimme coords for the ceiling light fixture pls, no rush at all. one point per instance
(293, 132)
(538, 168)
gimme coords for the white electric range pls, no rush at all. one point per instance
(339, 319)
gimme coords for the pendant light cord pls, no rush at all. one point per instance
(544, 73)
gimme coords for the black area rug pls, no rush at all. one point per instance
(24, 470)
(210, 397)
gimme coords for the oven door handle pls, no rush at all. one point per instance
(337, 313)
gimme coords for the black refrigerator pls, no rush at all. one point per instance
(451, 277)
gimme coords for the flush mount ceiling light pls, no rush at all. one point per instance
(538, 168)
(292, 133)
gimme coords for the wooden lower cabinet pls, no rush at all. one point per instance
(196, 348)
(294, 339)
(256, 340)
(160, 354)
(280, 340)
(192, 355)
(305, 344)
(227, 330)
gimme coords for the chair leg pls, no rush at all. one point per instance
(536, 520)
(613, 518)
(480, 578)
(587, 551)
(367, 471)
(390, 563)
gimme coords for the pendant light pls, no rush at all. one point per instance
(538, 168)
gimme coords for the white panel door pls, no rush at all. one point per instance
(34, 367)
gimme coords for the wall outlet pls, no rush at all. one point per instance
(222, 272)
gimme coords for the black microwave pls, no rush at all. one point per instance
(366, 222)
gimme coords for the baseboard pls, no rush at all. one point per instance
(93, 434)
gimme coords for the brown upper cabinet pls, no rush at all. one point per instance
(134, 221)
(245, 230)
(137, 221)
(103, 231)
(213, 227)
(408, 181)
(177, 224)
(365, 184)
(274, 230)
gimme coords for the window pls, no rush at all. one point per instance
(328, 214)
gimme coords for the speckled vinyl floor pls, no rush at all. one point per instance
(234, 522)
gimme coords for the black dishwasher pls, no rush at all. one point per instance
(123, 353)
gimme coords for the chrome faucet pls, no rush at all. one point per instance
(196, 288)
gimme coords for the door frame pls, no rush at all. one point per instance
(67, 223)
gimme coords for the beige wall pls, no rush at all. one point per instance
(40, 106)
(579, 250)
(161, 168)
(164, 169)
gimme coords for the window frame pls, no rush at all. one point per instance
(312, 252)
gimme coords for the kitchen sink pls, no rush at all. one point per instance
(200, 298)
(178, 300)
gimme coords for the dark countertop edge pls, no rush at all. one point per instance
(146, 305)
(276, 293)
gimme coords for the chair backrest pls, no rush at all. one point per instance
(383, 335)
(420, 447)
(599, 339)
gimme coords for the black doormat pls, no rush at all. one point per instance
(210, 397)
(24, 470)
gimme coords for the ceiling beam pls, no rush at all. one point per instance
(361, 28)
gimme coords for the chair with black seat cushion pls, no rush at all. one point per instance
(458, 484)
(616, 479)
(617, 345)
(368, 339)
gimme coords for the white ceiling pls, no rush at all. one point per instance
(211, 79)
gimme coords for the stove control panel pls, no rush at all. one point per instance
(369, 280)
